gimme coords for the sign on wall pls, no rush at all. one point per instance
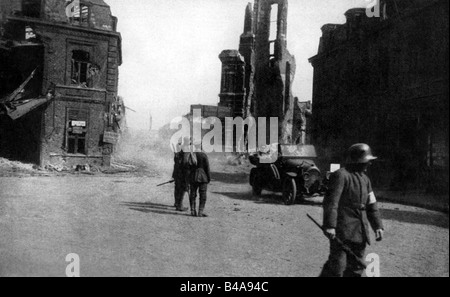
(110, 137)
(78, 124)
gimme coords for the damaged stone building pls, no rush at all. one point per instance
(59, 64)
(384, 80)
(257, 79)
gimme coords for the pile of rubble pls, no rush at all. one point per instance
(13, 168)
(115, 168)
(8, 168)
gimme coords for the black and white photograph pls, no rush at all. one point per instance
(205, 142)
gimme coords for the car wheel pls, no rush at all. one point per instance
(289, 191)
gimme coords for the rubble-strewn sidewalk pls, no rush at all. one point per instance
(14, 168)
(417, 199)
(10, 168)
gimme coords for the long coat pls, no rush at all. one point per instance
(180, 171)
(201, 173)
(350, 206)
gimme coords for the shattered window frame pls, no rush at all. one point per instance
(273, 30)
(80, 67)
(81, 15)
(85, 14)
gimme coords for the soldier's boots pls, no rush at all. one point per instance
(193, 209)
(201, 213)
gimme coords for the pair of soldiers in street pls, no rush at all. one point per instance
(191, 174)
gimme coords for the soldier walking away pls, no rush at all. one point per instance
(349, 207)
(200, 177)
(180, 177)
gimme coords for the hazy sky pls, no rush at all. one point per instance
(171, 49)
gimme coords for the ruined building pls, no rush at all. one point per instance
(59, 64)
(257, 78)
(384, 80)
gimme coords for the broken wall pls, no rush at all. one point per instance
(274, 67)
(269, 67)
(247, 50)
(20, 140)
(96, 98)
(79, 64)
(232, 93)
(55, 144)
(88, 13)
(94, 14)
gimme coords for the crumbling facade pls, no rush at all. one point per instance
(384, 81)
(69, 108)
(232, 89)
(257, 79)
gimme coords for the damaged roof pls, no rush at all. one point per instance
(22, 108)
(97, 2)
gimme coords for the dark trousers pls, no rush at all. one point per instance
(180, 191)
(202, 188)
(342, 265)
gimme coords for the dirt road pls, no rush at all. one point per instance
(125, 226)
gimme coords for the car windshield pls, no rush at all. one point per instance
(298, 151)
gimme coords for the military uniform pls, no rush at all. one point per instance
(200, 177)
(350, 207)
(180, 177)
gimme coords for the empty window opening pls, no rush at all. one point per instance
(31, 8)
(80, 68)
(273, 22)
(272, 48)
(76, 131)
(273, 35)
(84, 15)
(78, 12)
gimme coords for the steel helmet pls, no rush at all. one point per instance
(360, 154)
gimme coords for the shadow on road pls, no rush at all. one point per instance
(431, 219)
(148, 207)
(248, 196)
(230, 178)
(270, 198)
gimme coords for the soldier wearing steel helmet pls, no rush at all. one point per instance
(350, 207)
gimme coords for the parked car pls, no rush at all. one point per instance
(290, 170)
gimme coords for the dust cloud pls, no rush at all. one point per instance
(148, 151)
